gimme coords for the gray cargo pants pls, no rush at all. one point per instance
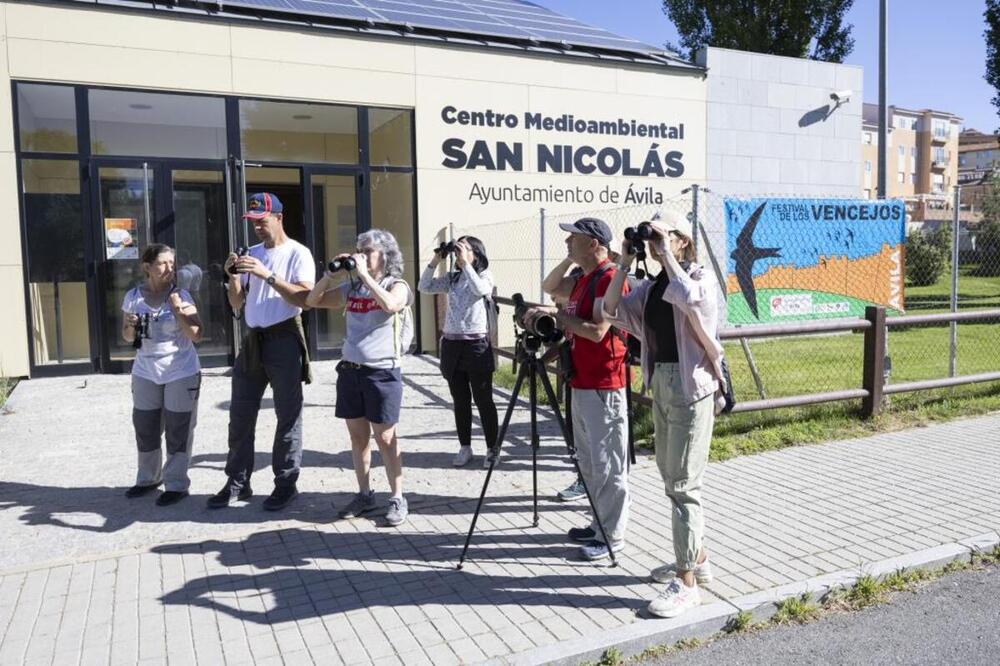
(165, 409)
(600, 432)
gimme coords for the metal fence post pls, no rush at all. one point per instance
(873, 377)
(694, 216)
(953, 327)
(541, 255)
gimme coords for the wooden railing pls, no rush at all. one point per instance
(873, 388)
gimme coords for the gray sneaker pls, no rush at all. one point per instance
(361, 504)
(397, 511)
(574, 492)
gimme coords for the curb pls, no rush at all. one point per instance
(709, 619)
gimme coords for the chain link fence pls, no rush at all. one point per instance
(522, 252)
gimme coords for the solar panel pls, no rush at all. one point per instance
(505, 19)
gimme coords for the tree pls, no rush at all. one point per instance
(778, 27)
(988, 232)
(925, 263)
(992, 35)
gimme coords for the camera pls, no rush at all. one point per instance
(240, 252)
(445, 248)
(841, 96)
(539, 324)
(141, 330)
(343, 264)
(637, 237)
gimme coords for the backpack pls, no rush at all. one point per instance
(633, 347)
(402, 326)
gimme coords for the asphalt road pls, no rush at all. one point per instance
(953, 620)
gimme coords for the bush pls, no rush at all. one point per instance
(988, 248)
(925, 262)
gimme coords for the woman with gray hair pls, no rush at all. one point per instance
(375, 299)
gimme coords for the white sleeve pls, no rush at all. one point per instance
(128, 303)
(303, 267)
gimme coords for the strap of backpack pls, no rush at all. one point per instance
(592, 294)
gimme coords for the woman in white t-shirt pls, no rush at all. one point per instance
(162, 323)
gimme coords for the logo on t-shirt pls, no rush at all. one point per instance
(360, 305)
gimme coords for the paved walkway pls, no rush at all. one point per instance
(88, 577)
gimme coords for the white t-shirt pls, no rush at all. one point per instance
(166, 355)
(291, 261)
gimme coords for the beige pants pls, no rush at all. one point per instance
(683, 434)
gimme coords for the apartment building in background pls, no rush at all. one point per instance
(978, 157)
(922, 158)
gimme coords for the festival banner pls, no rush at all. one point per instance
(799, 259)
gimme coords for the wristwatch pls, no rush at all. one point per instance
(271, 279)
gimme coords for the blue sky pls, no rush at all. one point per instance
(936, 49)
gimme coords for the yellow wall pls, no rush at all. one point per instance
(104, 47)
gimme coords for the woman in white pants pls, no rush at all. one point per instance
(162, 323)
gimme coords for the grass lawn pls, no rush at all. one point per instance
(793, 366)
(973, 291)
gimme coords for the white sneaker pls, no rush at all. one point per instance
(463, 456)
(675, 599)
(702, 573)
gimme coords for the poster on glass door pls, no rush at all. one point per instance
(120, 238)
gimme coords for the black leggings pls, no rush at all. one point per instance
(466, 387)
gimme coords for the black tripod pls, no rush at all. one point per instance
(532, 367)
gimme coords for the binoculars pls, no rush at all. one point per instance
(141, 330)
(344, 264)
(638, 236)
(240, 252)
(445, 248)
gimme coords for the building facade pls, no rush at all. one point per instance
(116, 137)
(921, 158)
(130, 122)
(978, 158)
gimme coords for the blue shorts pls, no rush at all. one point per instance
(368, 393)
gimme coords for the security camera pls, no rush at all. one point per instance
(841, 96)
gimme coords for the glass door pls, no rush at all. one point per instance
(126, 201)
(334, 199)
(185, 205)
(198, 224)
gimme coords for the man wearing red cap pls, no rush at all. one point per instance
(270, 283)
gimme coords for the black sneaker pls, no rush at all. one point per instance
(581, 534)
(230, 493)
(139, 491)
(280, 497)
(169, 497)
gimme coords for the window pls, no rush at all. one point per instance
(868, 166)
(390, 133)
(940, 154)
(902, 151)
(289, 132)
(53, 215)
(940, 128)
(900, 177)
(866, 137)
(913, 152)
(913, 178)
(46, 118)
(123, 122)
(392, 209)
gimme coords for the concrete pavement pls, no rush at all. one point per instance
(95, 578)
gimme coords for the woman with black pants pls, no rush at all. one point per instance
(466, 354)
